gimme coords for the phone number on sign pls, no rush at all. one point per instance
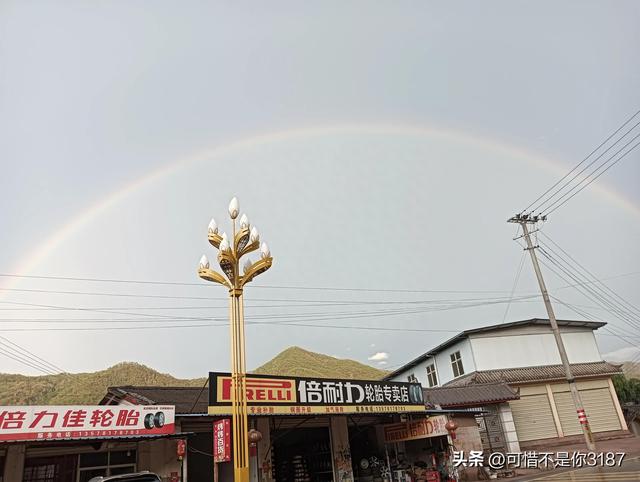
(537, 460)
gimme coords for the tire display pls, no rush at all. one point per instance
(148, 421)
(158, 420)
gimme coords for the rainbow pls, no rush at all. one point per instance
(34, 258)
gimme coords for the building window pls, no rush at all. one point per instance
(50, 469)
(95, 464)
(412, 378)
(432, 378)
(456, 364)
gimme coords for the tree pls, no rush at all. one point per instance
(628, 389)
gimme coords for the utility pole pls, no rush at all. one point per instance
(524, 220)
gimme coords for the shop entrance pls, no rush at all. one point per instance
(302, 455)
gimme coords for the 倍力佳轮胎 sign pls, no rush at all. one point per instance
(82, 421)
(296, 395)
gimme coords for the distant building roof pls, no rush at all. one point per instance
(593, 325)
(186, 399)
(536, 374)
(470, 395)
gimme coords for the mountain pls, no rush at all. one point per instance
(89, 388)
(295, 361)
(81, 388)
(631, 370)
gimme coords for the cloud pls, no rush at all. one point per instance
(373, 345)
(380, 356)
(625, 354)
(382, 363)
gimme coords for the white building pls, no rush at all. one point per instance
(524, 354)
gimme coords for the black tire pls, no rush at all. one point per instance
(158, 419)
(148, 421)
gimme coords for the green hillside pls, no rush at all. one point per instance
(89, 388)
(295, 361)
(81, 388)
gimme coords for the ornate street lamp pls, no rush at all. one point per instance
(242, 242)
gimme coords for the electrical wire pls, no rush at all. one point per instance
(341, 314)
(515, 284)
(594, 277)
(314, 288)
(26, 363)
(30, 357)
(540, 209)
(551, 208)
(582, 289)
(590, 317)
(603, 298)
(581, 162)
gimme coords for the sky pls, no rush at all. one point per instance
(378, 147)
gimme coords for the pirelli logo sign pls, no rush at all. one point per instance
(293, 395)
(260, 390)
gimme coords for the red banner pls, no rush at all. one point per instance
(416, 429)
(221, 441)
(73, 422)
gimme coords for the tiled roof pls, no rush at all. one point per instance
(185, 399)
(536, 374)
(470, 395)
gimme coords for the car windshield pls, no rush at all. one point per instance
(136, 478)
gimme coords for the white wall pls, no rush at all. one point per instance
(420, 371)
(443, 365)
(522, 350)
(443, 360)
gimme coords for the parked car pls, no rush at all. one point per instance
(144, 476)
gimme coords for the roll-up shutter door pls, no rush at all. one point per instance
(533, 418)
(567, 413)
(598, 405)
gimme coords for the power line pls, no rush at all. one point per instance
(577, 175)
(340, 327)
(24, 356)
(160, 318)
(590, 317)
(289, 287)
(595, 290)
(594, 296)
(582, 288)
(551, 208)
(528, 208)
(288, 318)
(515, 284)
(26, 363)
(595, 278)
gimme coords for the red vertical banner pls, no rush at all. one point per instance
(221, 440)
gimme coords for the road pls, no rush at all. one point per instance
(628, 471)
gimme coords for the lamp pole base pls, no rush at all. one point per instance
(241, 474)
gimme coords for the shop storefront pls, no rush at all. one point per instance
(311, 429)
(77, 443)
(321, 430)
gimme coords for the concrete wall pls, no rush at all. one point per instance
(532, 349)
(263, 456)
(160, 457)
(342, 468)
(443, 364)
(508, 427)
(14, 463)
(443, 360)
(420, 372)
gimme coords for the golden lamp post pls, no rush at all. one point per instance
(243, 241)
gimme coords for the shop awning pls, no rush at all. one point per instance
(90, 440)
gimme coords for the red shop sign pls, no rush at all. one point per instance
(221, 441)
